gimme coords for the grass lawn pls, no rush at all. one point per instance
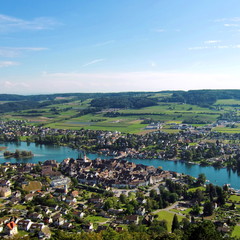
(96, 219)
(227, 102)
(168, 216)
(32, 186)
(234, 198)
(227, 129)
(186, 211)
(236, 231)
(194, 189)
(19, 207)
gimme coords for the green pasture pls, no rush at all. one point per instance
(168, 216)
(194, 189)
(234, 198)
(227, 102)
(185, 211)
(98, 122)
(96, 219)
(165, 112)
(236, 231)
(227, 129)
(171, 108)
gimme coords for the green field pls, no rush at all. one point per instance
(66, 115)
(236, 231)
(234, 198)
(96, 219)
(194, 189)
(168, 216)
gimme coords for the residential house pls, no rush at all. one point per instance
(67, 225)
(45, 233)
(24, 224)
(11, 229)
(88, 227)
(141, 211)
(5, 192)
(35, 216)
(36, 227)
(131, 219)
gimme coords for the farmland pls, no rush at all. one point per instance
(76, 114)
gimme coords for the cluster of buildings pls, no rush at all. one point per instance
(112, 173)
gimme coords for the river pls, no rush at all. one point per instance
(45, 152)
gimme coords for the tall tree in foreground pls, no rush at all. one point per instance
(175, 223)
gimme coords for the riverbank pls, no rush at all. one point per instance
(18, 154)
(42, 153)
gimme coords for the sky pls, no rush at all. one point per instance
(61, 46)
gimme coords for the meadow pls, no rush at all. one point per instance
(66, 115)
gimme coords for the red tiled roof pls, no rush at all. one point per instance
(11, 225)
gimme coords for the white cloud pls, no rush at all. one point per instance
(8, 84)
(93, 62)
(8, 64)
(135, 81)
(117, 82)
(212, 41)
(16, 51)
(214, 47)
(231, 25)
(8, 23)
(234, 19)
(198, 48)
(160, 30)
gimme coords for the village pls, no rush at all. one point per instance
(197, 145)
(83, 195)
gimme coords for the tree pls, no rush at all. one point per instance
(201, 179)
(195, 210)
(199, 195)
(202, 231)
(208, 208)
(175, 223)
(153, 193)
(123, 198)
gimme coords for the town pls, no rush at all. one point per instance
(194, 145)
(83, 196)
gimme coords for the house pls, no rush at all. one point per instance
(47, 220)
(35, 216)
(67, 225)
(74, 193)
(95, 200)
(115, 211)
(5, 192)
(224, 228)
(11, 228)
(4, 220)
(119, 229)
(88, 227)
(45, 233)
(36, 226)
(59, 221)
(131, 219)
(5, 183)
(147, 220)
(70, 199)
(141, 211)
(24, 224)
(29, 197)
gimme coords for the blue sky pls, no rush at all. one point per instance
(112, 46)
